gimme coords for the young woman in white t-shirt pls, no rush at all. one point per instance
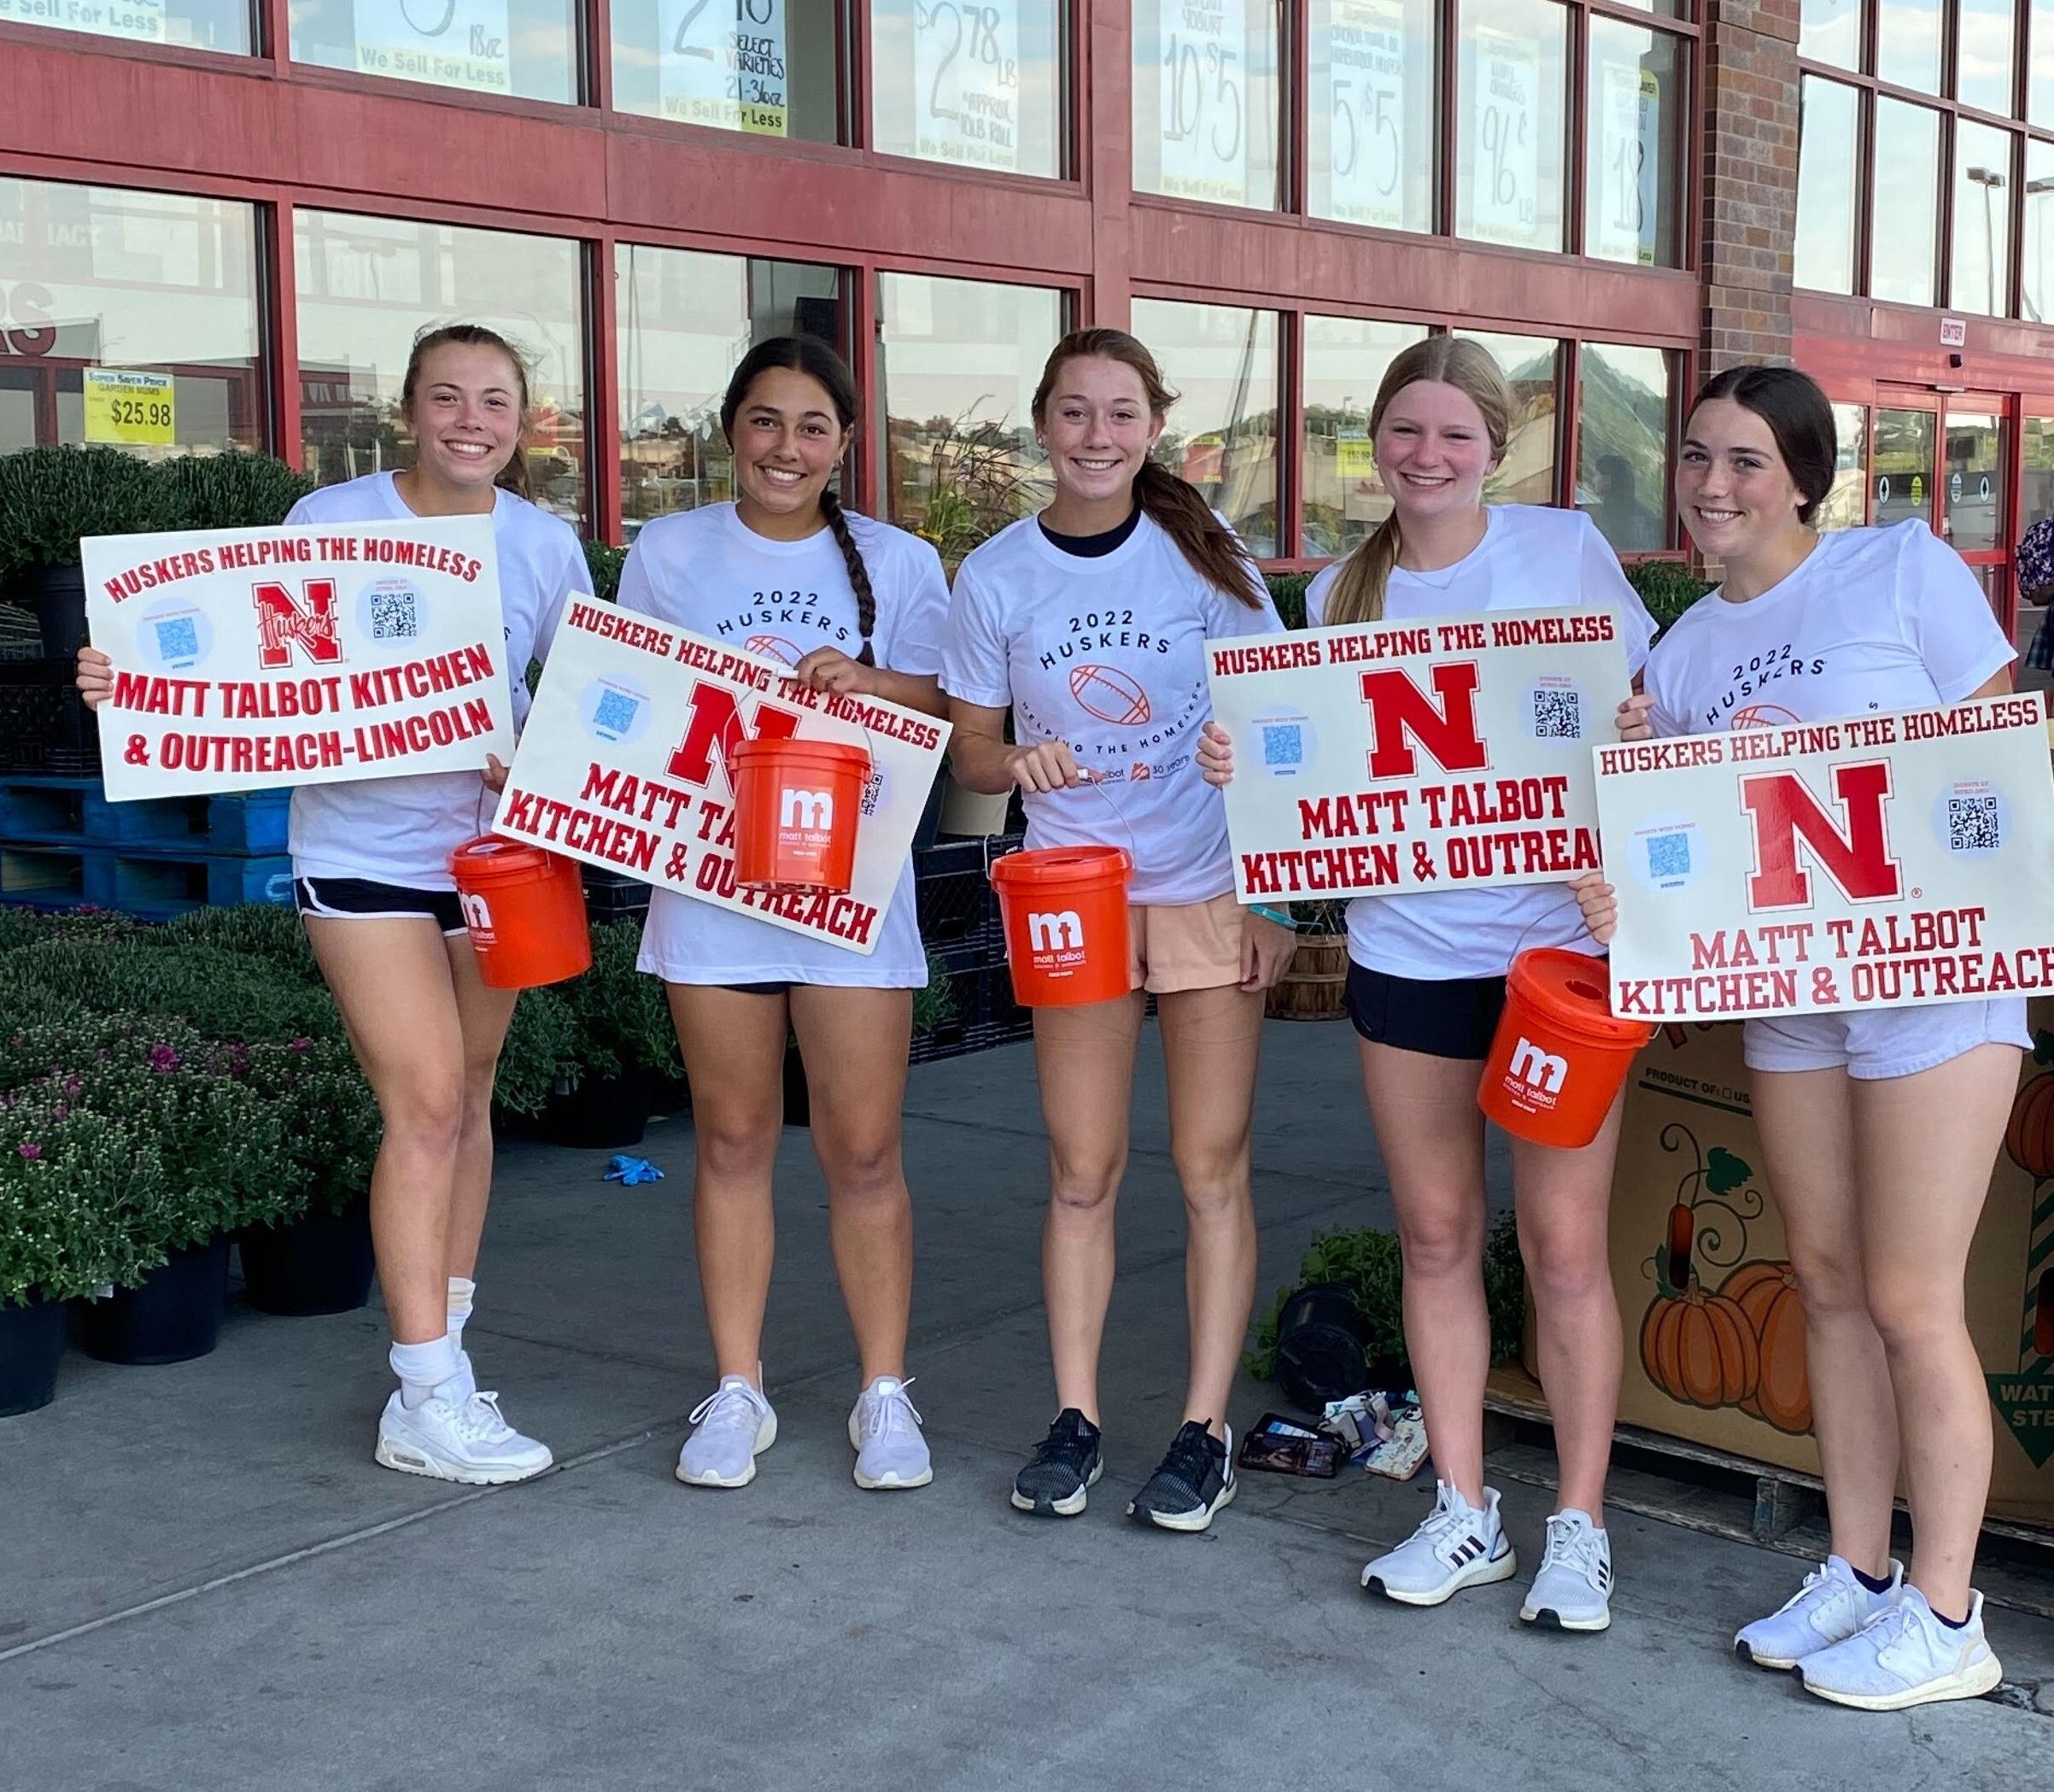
(1880, 1127)
(1086, 624)
(851, 604)
(371, 871)
(1425, 985)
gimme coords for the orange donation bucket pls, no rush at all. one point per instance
(1560, 1057)
(1066, 936)
(797, 804)
(525, 909)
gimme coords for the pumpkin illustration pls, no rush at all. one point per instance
(1682, 1234)
(2029, 1132)
(1767, 1293)
(1700, 1349)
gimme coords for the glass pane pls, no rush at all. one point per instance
(1982, 219)
(1842, 507)
(367, 286)
(1345, 361)
(1206, 99)
(1529, 363)
(198, 23)
(957, 364)
(770, 67)
(1973, 516)
(1371, 126)
(1987, 36)
(686, 318)
(1508, 136)
(1902, 480)
(1636, 106)
(1825, 187)
(1907, 49)
(1221, 362)
(17, 409)
(528, 48)
(979, 83)
(1907, 169)
(2036, 457)
(2040, 68)
(145, 301)
(2038, 295)
(1622, 410)
(1830, 30)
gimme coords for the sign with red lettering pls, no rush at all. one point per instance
(1879, 862)
(623, 764)
(249, 657)
(1451, 752)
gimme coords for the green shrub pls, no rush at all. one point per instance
(329, 1119)
(232, 490)
(935, 1006)
(1667, 588)
(604, 564)
(1287, 592)
(540, 1050)
(79, 1192)
(221, 994)
(621, 1019)
(52, 496)
(268, 931)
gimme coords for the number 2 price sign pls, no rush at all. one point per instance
(722, 63)
(1204, 64)
(1505, 152)
(1365, 73)
(966, 81)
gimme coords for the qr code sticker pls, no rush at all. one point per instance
(1973, 825)
(873, 793)
(392, 616)
(1669, 855)
(616, 713)
(1558, 715)
(1283, 744)
(178, 639)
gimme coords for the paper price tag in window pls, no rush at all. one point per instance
(1202, 60)
(966, 81)
(722, 63)
(1506, 151)
(1622, 226)
(1365, 72)
(1355, 457)
(136, 410)
(451, 43)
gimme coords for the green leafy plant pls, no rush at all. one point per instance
(221, 994)
(1667, 588)
(1321, 914)
(231, 490)
(52, 496)
(621, 1020)
(1287, 592)
(73, 1184)
(604, 564)
(935, 1006)
(540, 1050)
(268, 931)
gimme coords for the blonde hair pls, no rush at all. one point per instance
(1358, 590)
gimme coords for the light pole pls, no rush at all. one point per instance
(1989, 179)
(2045, 184)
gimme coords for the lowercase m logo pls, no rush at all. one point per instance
(1782, 809)
(813, 809)
(282, 623)
(1447, 728)
(1538, 1069)
(1061, 932)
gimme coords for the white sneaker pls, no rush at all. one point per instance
(1573, 1590)
(1830, 1607)
(1904, 1657)
(735, 1425)
(447, 1440)
(884, 1431)
(1457, 1546)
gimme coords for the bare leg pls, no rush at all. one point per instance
(483, 1015)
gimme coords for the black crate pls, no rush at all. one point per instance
(44, 725)
(612, 896)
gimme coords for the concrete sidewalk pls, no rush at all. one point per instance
(206, 1581)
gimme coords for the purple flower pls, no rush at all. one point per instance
(71, 1085)
(301, 1044)
(30, 1151)
(61, 1112)
(162, 1057)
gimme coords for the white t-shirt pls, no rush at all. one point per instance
(1530, 558)
(402, 830)
(707, 570)
(1108, 653)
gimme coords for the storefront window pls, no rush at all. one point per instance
(1824, 244)
(1222, 360)
(1842, 506)
(1974, 513)
(221, 24)
(1907, 46)
(978, 82)
(367, 286)
(129, 318)
(1902, 471)
(1623, 401)
(768, 68)
(1634, 109)
(1531, 366)
(1206, 98)
(958, 362)
(1982, 54)
(2039, 69)
(1830, 30)
(1345, 361)
(1370, 127)
(2036, 458)
(1509, 131)
(2038, 293)
(686, 318)
(1982, 219)
(524, 48)
(1907, 173)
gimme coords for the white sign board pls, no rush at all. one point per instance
(1202, 59)
(722, 63)
(1364, 78)
(1624, 215)
(966, 82)
(1505, 154)
(453, 42)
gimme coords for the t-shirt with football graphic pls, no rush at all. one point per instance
(402, 830)
(707, 570)
(1107, 653)
(1530, 558)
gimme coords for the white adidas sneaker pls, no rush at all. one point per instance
(1573, 1590)
(735, 1425)
(884, 1432)
(1905, 1657)
(1830, 1607)
(468, 1441)
(1458, 1545)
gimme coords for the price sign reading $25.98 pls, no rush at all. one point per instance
(966, 81)
(137, 410)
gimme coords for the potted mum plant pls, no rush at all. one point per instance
(49, 498)
(624, 1039)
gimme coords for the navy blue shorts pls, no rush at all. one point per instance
(1443, 1017)
(361, 898)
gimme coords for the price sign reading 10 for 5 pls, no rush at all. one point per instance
(1203, 100)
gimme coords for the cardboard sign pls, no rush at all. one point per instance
(1452, 753)
(1879, 862)
(132, 409)
(623, 764)
(246, 658)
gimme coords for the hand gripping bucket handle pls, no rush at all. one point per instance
(524, 910)
(1560, 1056)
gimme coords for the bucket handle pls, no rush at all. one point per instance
(1090, 783)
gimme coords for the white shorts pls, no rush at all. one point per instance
(1883, 1042)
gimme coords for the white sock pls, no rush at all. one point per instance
(425, 1369)
(463, 1292)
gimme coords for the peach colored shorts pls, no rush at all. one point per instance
(1184, 945)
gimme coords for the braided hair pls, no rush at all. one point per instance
(817, 360)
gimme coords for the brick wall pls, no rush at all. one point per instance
(1750, 179)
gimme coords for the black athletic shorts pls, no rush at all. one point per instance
(1454, 1017)
(361, 898)
(757, 989)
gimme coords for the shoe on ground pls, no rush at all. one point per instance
(1065, 1467)
(884, 1431)
(1573, 1590)
(1905, 1657)
(449, 1440)
(1830, 1607)
(1457, 1545)
(733, 1425)
(1194, 1480)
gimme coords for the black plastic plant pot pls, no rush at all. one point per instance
(602, 1113)
(174, 1317)
(31, 1339)
(1320, 1341)
(56, 597)
(320, 1262)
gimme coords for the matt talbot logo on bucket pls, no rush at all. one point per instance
(1059, 935)
(1540, 1074)
(810, 811)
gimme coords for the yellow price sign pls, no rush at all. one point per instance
(1355, 457)
(136, 410)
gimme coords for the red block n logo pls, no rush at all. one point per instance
(282, 624)
(1782, 811)
(1447, 729)
(715, 726)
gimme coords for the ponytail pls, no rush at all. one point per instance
(1357, 593)
(859, 574)
(1178, 509)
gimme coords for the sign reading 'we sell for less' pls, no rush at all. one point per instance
(1878, 862)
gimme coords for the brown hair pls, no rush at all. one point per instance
(514, 474)
(1799, 415)
(1357, 594)
(1174, 505)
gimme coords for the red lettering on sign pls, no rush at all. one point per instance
(717, 723)
(1447, 729)
(281, 622)
(1782, 809)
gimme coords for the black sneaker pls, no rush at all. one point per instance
(1062, 1468)
(1195, 1479)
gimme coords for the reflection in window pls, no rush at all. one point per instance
(768, 68)
(527, 48)
(978, 82)
(2038, 293)
(1206, 99)
(1985, 41)
(686, 318)
(1901, 473)
(958, 362)
(1907, 48)
(1824, 246)
(2036, 458)
(1830, 30)
(1622, 408)
(1974, 513)
(1508, 136)
(129, 318)
(1345, 361)
(1530, 365)
(1906, 171)
(1842, 507)
(2039, 69)
(222, 24)
(1222, 360)
(367, 286)
(1371, 126)
(1634, 110)
(1982, 219)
